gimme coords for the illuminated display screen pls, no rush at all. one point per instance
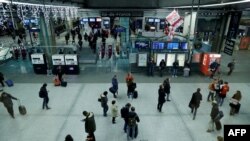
(92, 20)
(142, 44)
(150, 20)
(157, 45)
(183, 46)
(85, 20)
(173, 46)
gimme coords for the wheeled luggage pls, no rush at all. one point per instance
(9, 83)
(21, 108)
(186, 72)
(135, 95)
(218, 125)
(64, 84)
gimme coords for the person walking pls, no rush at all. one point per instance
(60, 73)
(44, 93)
(214, 67)
(6, 99)
(214, 112)
(69, 138)
(67, 38)
(133, 119)
(175, 68)
(114, 111)
(223, 93)
(235, 103)
(104, 103)
(124, 114)
(231, 66)
(194, 103)
(115, 86)
(129, 80)
(2, 79)
(90, 125)
(166, 84)
(161, 97)
(211, 91)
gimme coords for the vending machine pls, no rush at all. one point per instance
(39, 63)
(71, 64)
(57, 60)
(207, 59)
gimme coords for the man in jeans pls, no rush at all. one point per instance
(133, 118)
(124, 115)
(104, 103)
(195, 102)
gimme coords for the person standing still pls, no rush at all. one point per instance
(195, 102)
(104, 103)
(44, 93)
(90, 125)
(167, 87)
(114, 111)
(133, 119)
(175, 68)
(223, 93)
(214, 112)
(115, 85)
(129, 80)
(161, 97)
(6, 99)
(124, 114)
(162, 66)
(231, 67)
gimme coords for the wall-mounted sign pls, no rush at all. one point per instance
(132, 58)
(37, 58)
(71, 59)
(122, 13)
(58, 59)
(142, 59)
(229, 47)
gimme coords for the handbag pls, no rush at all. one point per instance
(234, 101)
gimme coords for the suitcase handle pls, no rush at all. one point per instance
(19, 102)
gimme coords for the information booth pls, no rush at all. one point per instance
(57, 60)
(207, 59)
(71, 64)
(39, 63)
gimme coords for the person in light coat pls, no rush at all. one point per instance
(114, 111)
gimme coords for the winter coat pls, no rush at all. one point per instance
(115, 84)
(104, 100)
(1, 77)
(90, 126)
(6, 99)
(237, 96)
(195, 100)
(214, 111)
(134, 115)
(166, 87)
(114, 110)
(161, 93)
(224, 90)
(44, 92)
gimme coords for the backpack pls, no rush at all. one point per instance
(132, 121)
(123, 112)
(41, 94)
(219, 116)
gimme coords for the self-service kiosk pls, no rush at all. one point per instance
(207, 59)
(39, 63)
(71, 64)
(58, 60)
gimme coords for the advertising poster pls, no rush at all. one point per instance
(170, 60)
(159, 58)
(132, 58)
(142, 59)
(181, 59)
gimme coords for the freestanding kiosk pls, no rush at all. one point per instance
(39, 63)
(71, 64)
(207, 59)
(58, 60)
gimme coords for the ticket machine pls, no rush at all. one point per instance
(39, 63)
(71, 64)
(57, 60)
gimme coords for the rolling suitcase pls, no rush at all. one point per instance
(218, 125)
(135, 95)
(237, 108)
(9, 83)
(64, 84)
(21, 108)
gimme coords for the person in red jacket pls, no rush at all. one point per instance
(223, 92)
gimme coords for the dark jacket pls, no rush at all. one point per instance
(131, 87)
(195, 100)
(44, 92)
(166, 86)
(6, 99)
(161, 93)
(162, 65)
(90, 126)
(115, 84)
(175, 65)
(1, 77)
(214, 111)
(132, 114)
(104, 100)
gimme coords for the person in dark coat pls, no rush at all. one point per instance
(115, 85)
(67, 38)
(69, 138)
(167, 87)
(124, 115)
(151, 65)
(44, 92)
(175, 68)
(104, 103)
(214, 112)
(161, 97)
(162, 66)
(195, 102)
(132, 130)
(231, 67)
(6, 99)
(60, 73)
(2, 79)
(90, 125)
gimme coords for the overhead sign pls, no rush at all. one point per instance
(229, 47)
(122, 13)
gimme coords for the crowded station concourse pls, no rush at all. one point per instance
(107, 70)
